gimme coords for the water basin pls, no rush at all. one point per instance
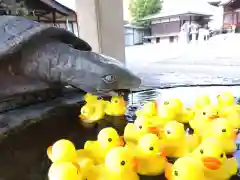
(23, 153)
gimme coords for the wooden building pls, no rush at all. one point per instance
(165, 27)
(231, 17)
(46, 11)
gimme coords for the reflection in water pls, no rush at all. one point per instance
(186, 94)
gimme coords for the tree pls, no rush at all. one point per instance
(11, 7)
(140, 9)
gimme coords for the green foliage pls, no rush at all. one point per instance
(140, 9)
(19, 8)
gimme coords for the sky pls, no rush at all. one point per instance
(68, 3)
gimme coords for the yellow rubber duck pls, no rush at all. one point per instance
(88, 170)
(165, 114)
(214, 161)
(64, 171)
(174, 104)
(116, 107)
(225, 99)
(231, 113)
(203, 118)
(119, 165)
(175, 142)
(150, 159)
(186, 115)
(185, 168)
(141, 126)
(90, 98)
(222, 130)
(149, 109)
(62, 150)
(107, 139)
(93, 112)
(201, 101)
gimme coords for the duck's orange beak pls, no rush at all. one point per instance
(168, 171)
(153, 130)
(213, 117)
(156, 106)
(135, 164)
(76, 165)
(211, 163)
(235, 134)
(162, 153)
(121, 141)
(49, 152)
(82, 117)
(122, 103)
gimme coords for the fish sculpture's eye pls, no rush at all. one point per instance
(109, 78)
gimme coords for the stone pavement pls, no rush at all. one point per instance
(220, 50)
(212, 62)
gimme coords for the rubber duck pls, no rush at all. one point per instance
(116, 107)
(93, 112)
(115, 114)
(64, 171)
(119, 165)
(149, 109)
(214, 161)
(174, 104)
(225, 99)
(88, 169)
(175, 142)
(201, 101)
(165, 114)
(185, 168)
(150, 159)
(141, 126)
(107, 139)
(90, 98)
(222, 130)
(62, 150)
(231, 113)
(203, 118)
(186, 115)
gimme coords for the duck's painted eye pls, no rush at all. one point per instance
(166, 103)
(115, 101)
(204, 113)
(151, 148)
(168, 132)
(201, 151)
(224, 130)
(140, 127)
(123, 163)
(109, 139)
(175, 173)
(222, 155)
(109, 78)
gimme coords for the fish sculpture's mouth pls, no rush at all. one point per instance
(112, 92)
